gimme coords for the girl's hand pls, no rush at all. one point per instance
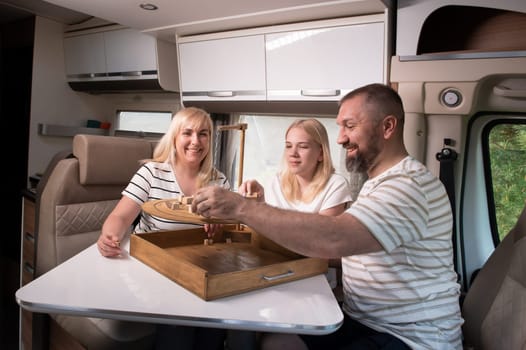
(252, 188)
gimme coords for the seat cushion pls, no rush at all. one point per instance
(505, 324)
(494, 309)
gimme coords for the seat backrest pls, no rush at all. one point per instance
(494, 309)
(79, 190)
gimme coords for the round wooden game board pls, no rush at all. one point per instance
(172, 209)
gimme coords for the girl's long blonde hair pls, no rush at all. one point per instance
(165, 150)
(324, 169)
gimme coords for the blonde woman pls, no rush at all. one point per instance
(181, 164)
(307, 181)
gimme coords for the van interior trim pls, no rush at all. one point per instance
(471, 55)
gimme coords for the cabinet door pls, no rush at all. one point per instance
(84, 55)
(223, 69)
(324, 63)
(130, 51)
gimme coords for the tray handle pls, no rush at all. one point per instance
(277, 277)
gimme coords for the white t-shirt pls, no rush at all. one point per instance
(410, 288)
(154, 181)
(335, 192)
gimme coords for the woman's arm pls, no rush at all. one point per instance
(116, 226)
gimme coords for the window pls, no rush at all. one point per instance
(135, 123)
(506, 143)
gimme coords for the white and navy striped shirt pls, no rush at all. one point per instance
(154, 181)
(410, 288)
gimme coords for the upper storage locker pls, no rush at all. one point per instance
(229, 68)
(326, 60)
(311, 61)
(119, 59)
(445, 29)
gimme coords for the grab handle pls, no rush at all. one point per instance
(507, 92)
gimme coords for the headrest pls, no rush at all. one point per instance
(109, 160)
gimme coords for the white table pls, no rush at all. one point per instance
(124, 288)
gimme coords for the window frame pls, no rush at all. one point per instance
(139, 133)
(490, 182)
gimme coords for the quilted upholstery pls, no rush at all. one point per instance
(82, 217)
(78, 225)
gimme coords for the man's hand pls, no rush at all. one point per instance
(217, 202)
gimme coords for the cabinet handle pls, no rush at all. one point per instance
(277, 277)
(220, 93)
(86, 75)
(29, 237)
(131, 74)
(320, 92)
(29, 268)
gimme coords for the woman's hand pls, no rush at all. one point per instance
(116, 226)
(109, 245)
(212, 229)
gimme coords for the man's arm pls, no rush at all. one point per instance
(308, 234)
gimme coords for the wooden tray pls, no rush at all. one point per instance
(172, 209)
(238, 261)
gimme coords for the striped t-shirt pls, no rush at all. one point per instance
(156, 180)
(410, 288)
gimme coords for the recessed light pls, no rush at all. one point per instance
(149, 7)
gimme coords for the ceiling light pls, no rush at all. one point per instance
(149, 7)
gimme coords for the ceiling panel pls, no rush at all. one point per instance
(183, 17)
(12, 10)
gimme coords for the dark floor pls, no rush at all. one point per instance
(9, 310)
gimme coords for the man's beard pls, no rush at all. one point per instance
(362, 162)
(357, 164)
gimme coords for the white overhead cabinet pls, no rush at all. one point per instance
(324, 63)
(130, 52)
(119, 59)
(314, 61)
(110, 55)
(223, 69)
(85, 56)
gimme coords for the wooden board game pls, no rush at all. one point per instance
(176, 210)
(237, 261)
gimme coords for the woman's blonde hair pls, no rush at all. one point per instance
(197, 119)
(324, 168)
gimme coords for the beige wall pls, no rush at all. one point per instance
(54, 102)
